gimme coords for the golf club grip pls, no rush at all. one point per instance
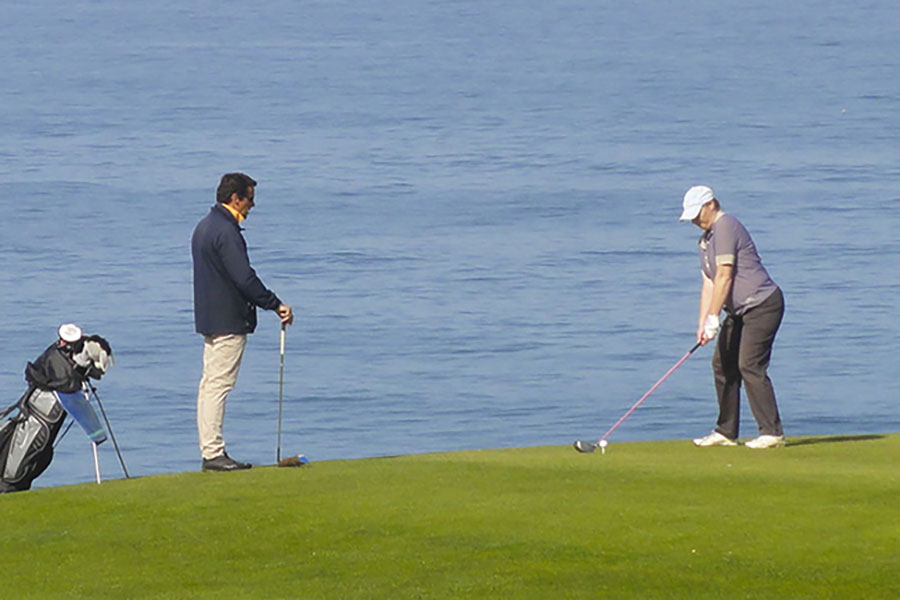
(650, 391)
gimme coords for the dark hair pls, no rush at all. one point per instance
(233, 183)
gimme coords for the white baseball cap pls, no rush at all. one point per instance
(69, 332)
(694, 199)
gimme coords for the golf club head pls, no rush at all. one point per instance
(293, 461)
(584, 447)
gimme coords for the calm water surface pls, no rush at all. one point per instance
(473, 209)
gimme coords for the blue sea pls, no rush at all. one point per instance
(472, 207)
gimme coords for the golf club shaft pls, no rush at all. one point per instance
(109, 429)
(650, 391)
(280, 395)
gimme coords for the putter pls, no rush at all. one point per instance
(280, 396)
(588, 447)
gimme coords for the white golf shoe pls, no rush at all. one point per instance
(766, 441)
(714, 439)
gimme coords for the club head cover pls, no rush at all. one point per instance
(95, 356)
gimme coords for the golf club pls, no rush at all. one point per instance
(109, 429)
(587, 447)
(280, 395)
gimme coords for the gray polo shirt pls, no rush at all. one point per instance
(729, 243)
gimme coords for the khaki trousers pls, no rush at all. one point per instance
(222, 356)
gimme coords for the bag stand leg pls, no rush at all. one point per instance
(96, 462)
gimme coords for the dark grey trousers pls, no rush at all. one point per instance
(742, 355)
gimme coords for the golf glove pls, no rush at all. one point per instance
(711, 326)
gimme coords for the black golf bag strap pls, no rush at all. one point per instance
(19, 403)
(8, 410)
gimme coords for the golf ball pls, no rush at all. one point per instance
(602, 443)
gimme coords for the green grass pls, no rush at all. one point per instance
(818, 519)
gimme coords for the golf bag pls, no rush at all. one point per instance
(26, 439)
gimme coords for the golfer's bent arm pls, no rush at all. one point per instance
(713, 295)
(721, 288)
(706, 294)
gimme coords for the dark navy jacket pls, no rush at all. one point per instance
(226, 288)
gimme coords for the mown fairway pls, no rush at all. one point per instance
(818, 519)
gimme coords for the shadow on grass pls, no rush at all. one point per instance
(834, 439)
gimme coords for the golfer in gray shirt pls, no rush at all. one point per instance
(735, 280)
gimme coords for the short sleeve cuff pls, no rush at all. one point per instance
(725, 259)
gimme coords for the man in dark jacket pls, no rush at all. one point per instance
(226, 294)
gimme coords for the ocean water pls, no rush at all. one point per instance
(472, 208)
